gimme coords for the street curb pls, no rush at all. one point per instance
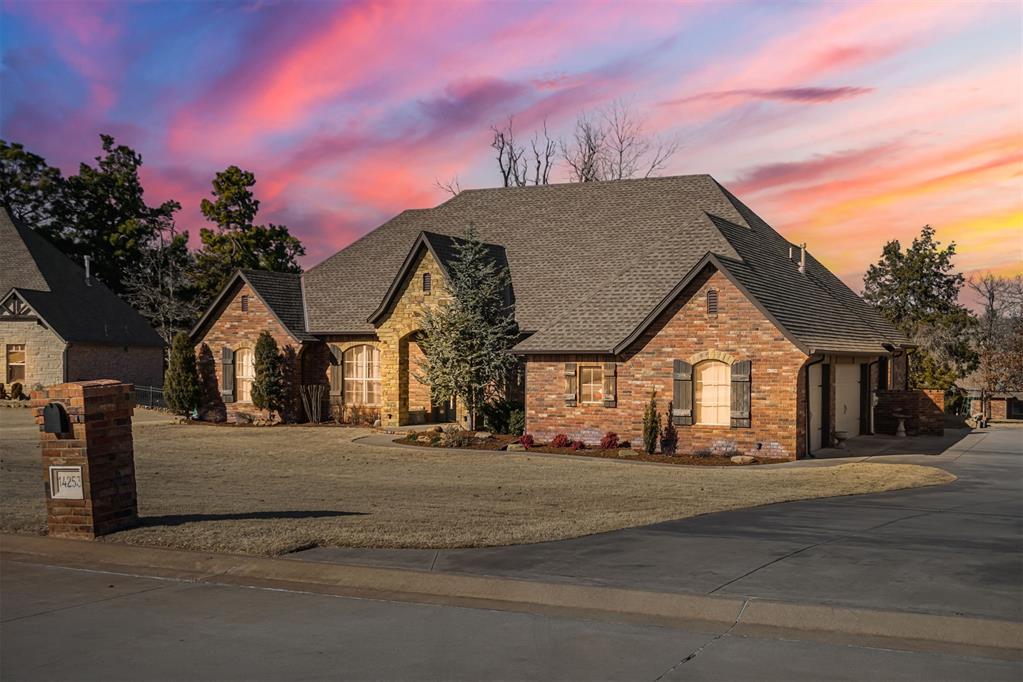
(719, 614)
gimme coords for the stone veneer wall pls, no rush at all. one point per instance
(405, 318)
(998, 408)
(236, 329)
(683, 331)
(100, 441)
(44, 353)
(139, 365)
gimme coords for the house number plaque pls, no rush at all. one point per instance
(66, 483)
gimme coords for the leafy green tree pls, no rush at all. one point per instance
(181, 389)
(236, 242)
(917, 290)
(107, 217)
(999, 335)
(31, 189)
(269, 388)
(466, 338)
(651, 425)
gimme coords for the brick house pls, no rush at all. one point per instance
(670, 286)
(57, 324)
(997, 405)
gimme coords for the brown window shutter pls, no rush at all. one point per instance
(682, 393)
(741, 394)
(337, 373)
(610, 376)
(227, 375)
(570, 384)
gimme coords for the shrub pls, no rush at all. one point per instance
(499, 415)
(269, 390)
(703, 453)
(651, 425)
(526, 440)
(625, 444)
(517, 422)
(669, 437)
(609, 441)
(560, 441)
(181, 388)
(578, 445)
(16, 393)
(3, 392)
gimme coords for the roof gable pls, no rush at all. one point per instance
(280, 292)
(76, 309)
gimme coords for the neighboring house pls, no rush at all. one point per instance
(666, 285)
(57, 324)
(993, 404)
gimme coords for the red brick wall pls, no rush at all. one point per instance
(239, 329)
(139, 365)
(924, 410)
(998, 408)
(684, 329)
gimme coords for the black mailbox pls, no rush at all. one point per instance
(55, 419)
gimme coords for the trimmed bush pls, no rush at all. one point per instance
(625, 444)
(3, 392)
(578, 445)
(269, 388)
(609, 441)
(651, 425)
(560, 441)
(517, 422)
(16, 393)
(182, 390)
(526, 440)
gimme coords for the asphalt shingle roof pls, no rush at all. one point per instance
(282, 293)
(55, 287)
(590, 261)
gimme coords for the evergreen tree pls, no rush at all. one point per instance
(31, 189)
(181, 389)
(651, 425)
(269, 389)
(917, 290)
(237, 242)
(669, 436)
(466, 338)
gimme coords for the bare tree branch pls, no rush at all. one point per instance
(452, 186)
(585, 153)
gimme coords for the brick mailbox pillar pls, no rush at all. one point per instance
(88, 457)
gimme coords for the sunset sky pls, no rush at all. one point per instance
(842, 124)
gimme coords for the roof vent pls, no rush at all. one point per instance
(802, 258)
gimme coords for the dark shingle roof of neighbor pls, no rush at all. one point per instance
(590, 262)
(55, 287)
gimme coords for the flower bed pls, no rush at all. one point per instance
(497, 442)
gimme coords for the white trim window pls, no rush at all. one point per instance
(15, 363)
(713, 393)
(591, 384)
(362, 376)
(245, 372)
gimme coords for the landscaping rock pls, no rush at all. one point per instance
(376, 424)
(435, 429)
(515, 447)
(743, 459)
(424, 439)
(483, 435)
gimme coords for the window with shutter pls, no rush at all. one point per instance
(712, 393)
(570, 384)
(591, 385)
(740, 399)
(227, 375)
(682, 393)
(244, 374)
(610, 384)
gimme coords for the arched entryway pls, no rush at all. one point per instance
(416, 401)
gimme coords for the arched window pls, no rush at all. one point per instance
(245, 372)
(362, 376)
(713, 392)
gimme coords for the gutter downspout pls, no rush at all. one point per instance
(806, 397)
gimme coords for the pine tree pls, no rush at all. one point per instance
(669, 436)
(269, 390)
(651, 425)
(181, 389)
(466, 338)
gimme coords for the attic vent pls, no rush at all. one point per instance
(427, 283)
(245, 303)
(712, 302)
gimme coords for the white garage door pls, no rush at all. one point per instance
(847, 399)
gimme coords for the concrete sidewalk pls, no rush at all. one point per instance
(718, 614)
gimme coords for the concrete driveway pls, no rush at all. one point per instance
(954, 549)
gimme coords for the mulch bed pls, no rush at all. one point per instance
(500, 442)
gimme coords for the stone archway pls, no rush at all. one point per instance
(416, 405)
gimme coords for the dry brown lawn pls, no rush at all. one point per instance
(272, 490)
